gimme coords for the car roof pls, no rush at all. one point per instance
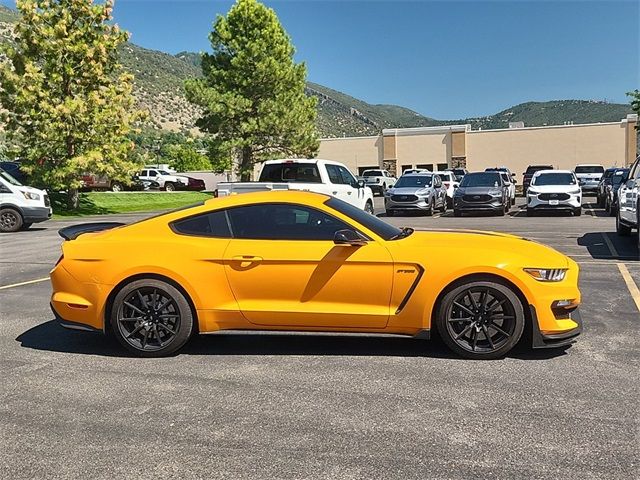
(589, 165)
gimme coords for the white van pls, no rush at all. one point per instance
(21, 206)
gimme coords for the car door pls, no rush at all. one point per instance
(338, 188)
(285, 270)
(628, 195)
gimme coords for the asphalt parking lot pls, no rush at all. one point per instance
(74, 405)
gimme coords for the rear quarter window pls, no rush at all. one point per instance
(211, 224)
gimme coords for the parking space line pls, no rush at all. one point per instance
(631, 285)
(29, 282)
(610, 246)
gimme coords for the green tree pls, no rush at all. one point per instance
(252, 93)
(69, 103)
(184, 157)
(635, 101)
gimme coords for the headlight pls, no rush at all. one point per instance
(423, 192)
(495, 193)
(574, 192)
(547, 274)
(458, 193)
(531, 191)
(31, 196)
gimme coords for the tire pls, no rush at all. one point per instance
(389, 213)
(477, 309)
(145, 330)
(600, 201)
(169, 187)
(26, 225)
(116, 187)
(368, 207)
(443, 208)
(502, 211)
(530, 212)
(10, 220)
(457, 213)
(577, 212)
(621, 229)
(429, 212)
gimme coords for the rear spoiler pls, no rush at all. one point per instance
(74, 231)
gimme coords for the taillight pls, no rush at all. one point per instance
(446, 184)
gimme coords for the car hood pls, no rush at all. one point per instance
(406, 190)
(478, 190)
(554, 188)
(489, 248)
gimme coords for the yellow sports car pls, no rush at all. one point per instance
(309, 262)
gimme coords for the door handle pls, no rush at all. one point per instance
(335, 193)
(246, 258)
(348, 193)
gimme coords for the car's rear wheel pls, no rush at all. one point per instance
(151, 318)
(10, 220)
(480, 319)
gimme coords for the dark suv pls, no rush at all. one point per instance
(531, 169)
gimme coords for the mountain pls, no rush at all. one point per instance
(159, 79)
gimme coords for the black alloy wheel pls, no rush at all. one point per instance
(151, 318)
(10, 220)
(481, 319)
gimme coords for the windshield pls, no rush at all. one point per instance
(505, 177)
(445, 177)
(590, 169)
(413, 181)
(619, 176)
(554, 179)
(290, 172)
(9, 178)
(373, 223)
(488, 179)
(538, 168)
(163, 172)
(372, 173)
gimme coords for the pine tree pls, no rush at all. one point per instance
(252, 93)
(69, 103)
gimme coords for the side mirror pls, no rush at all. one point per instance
(361, 184)
(629, 184)
(348, 237)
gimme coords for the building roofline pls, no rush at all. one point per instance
(426, 130)
(621, 122)
(347, 138)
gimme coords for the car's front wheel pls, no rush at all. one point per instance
(622, 229)
(151, 318)
(10, 220)
(368, 207)
(169, 187)
(480, 319)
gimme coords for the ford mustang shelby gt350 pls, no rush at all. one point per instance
(309, 262)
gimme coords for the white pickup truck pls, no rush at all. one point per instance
(313, 175)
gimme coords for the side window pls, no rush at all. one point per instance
(153, 173)
(437, 181)
(635, 173)
(143, 173)
(347, 178)
(334, 174)
(271, 221)
(212, 224)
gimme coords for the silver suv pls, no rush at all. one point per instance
(416, 191)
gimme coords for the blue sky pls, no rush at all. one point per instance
(447, 60)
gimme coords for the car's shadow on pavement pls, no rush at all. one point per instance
(609, 246)
(49, 336)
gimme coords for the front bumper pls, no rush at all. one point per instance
(36, 214)
(495, 205)
(420, 204)
(540, 339)
(535, 203)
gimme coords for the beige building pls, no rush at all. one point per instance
(437, 148)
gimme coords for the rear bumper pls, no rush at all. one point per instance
(555, 340)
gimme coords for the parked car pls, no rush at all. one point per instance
(612, 190)
(418, 192)
(416, 170)
(14, 169)
(459, 173)
(509, 179)
(378, 180)
(554, 190)
(167, 180)
(21, 205)
(602, 185)
(103, 182)
(313, 175)
(481, 191)
(526, 176)
(292, 260)
(450, 183)
(589, 176)
(628, 216)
